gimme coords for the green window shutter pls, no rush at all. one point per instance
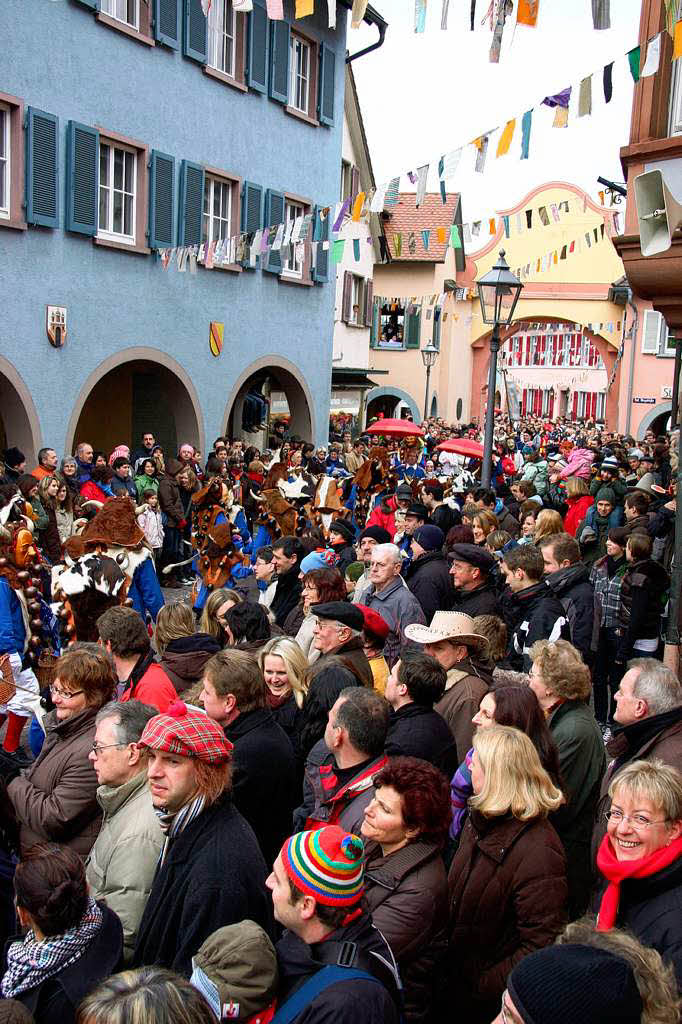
(93, 5)
(161, 200)
(257, 70)
(191, 203)
(167, 22)
(194, 42)
(279, 61)
(321, 234)
(369, 303)
(274, 214)
(374, 326)
(414, 324)
(252, 213)
(82, 167)
(42, 168)
(437, 314)
(325, 102)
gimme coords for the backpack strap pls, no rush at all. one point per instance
(321, 980)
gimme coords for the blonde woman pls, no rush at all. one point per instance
(547, 523)
(508, 889)
(562, 684)
(578, 499)
(284, 666)
(151, 995)
(182, 651)
(484, 523)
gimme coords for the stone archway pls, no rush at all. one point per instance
(660, 413)
(268, 376)
(137, 389)
(398, 395)
(19, 422)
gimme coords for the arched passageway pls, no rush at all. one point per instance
(119, 403)
(19, 423)
(266, 393)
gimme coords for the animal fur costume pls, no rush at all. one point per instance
(108, 563)
(221, 537)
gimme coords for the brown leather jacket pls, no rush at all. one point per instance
(55, 800)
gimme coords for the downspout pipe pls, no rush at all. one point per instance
(382, 26)
(633, 353)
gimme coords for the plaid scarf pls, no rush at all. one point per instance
(31, 962)
(173, 824)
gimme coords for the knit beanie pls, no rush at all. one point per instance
(570, 983)
(355, 571)
(377, 533)
(429, 537)
(606, 494)
(322, 559)
(327, 863)
(12, 457)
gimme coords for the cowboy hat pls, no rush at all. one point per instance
(447, 626)
(647, 484)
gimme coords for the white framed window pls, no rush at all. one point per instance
(357, 301)
(5, 168)
(293, 266)
(601, 405)
(217, 218)
(126, 11)
(299, 74)
(655, 335)
(222, 34)
(117, 193)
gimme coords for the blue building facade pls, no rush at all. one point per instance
(130, 126)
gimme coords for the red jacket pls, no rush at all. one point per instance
(577, 510)
(153, 688)
(378, 517)
(91, 492)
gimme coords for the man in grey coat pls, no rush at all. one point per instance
(390, 596)
(120, 867)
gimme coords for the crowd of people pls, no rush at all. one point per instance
(377, 767)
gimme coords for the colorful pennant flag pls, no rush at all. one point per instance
(633, 61)
(337, 250)
(331, 13)
(608, 82)
(653, 57)
(444, 15)
(481, 144)
(304, 8)
(358, 206)
(455, 240)
(525, 133)
(506, 137)
(358, 13)
(585, 97)
(275, 9)
(356, 249)
(426, 234)
(419, 15)
(677, 40)
(392, 192)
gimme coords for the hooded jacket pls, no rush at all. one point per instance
(573, 588)
(428, 577)
(579, 464)
(169, 494)
(577, 510)
(325, 801)
(345, 1002)
(183, 660)
(506, 519)
(467, 684)
(643, 597)
(539, 615)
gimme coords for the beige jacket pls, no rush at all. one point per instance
(121, 866)
(459, 704)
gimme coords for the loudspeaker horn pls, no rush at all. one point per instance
(658, 213)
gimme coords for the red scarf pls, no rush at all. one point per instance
(615, 871)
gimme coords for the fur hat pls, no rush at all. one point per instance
(114, 524)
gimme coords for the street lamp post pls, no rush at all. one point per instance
(429, 356)
(498, 293)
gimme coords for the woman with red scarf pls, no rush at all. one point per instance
(640, 858)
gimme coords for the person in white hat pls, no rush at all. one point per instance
(453, 642)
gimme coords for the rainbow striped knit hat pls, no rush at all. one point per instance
(327, 864)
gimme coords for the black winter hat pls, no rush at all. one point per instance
(418, 510)
(377, 533)
(570, 983)
(344, 528)
(13, 457)
(340, 611)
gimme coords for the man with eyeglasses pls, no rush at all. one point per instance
(121, 865)
(647, 726)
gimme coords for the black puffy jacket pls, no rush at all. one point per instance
(428, 577)
(643, 596)
(573, 588)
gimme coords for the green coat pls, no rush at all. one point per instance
(145, 483)
(582, 761)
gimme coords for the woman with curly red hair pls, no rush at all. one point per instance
(405, 828)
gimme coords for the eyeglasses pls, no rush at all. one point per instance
(638, 821)
(56, 692)
(97, 748)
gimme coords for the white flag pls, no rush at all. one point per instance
(653, 57)
(422, 175)
(377, 204)
(331, 8)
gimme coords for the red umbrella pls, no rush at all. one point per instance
(395, 428)
(462, 446)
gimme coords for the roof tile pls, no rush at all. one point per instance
(405, 218)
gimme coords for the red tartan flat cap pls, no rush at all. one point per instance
(187, 733)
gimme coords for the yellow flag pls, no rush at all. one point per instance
(304, 8)
(560, 117)
(506, 138)
(358, 205)
(440, 234)
(677, 40)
